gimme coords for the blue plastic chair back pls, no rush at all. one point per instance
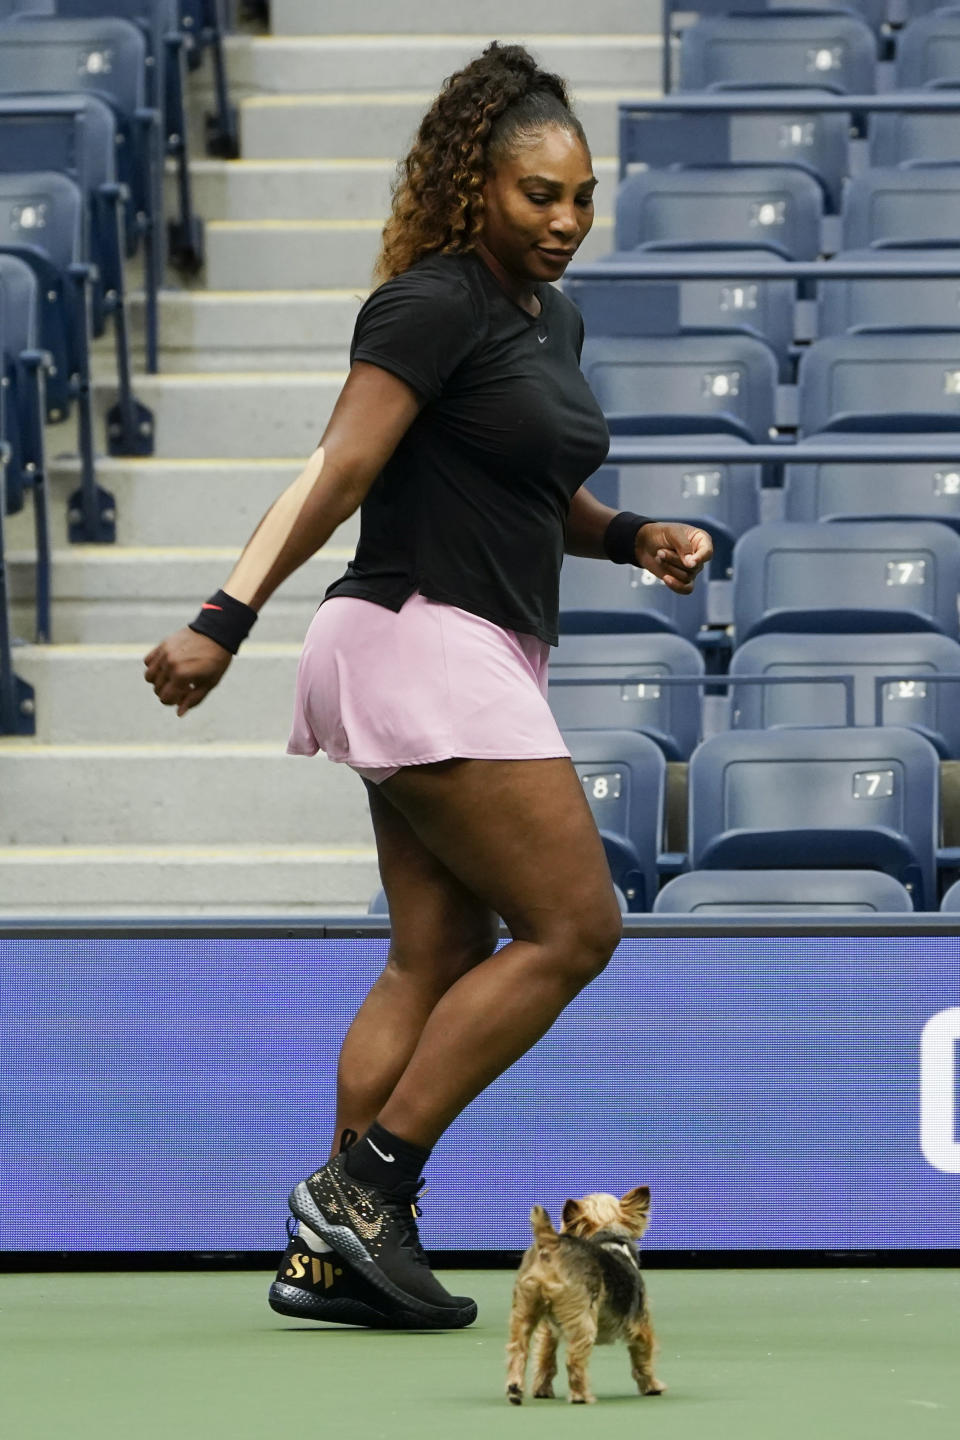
(950, 903)
(659, 384)
(104, 56)
(9, 8)
(882, 381)
(783, 892)
(907, 304)
(624, 778)
(898, 204)
(899, 138)
(44, 215)
(72, 133)
(806, 798)
(668, 714)
(933, 709)
(599, 598)
(843, 579)
(19, 334)
(831, 51)
(894, 490)
(778, 207)
(928, 49)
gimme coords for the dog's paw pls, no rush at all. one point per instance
(515, 1394)
(543, 1392)
(653, 1386)
(586, 1399)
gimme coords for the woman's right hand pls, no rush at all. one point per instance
(184, 668)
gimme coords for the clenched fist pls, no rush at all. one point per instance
(184, 668)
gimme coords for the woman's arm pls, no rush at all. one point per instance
(373, 412)
(674, 553)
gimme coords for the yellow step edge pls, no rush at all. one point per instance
(34, 854)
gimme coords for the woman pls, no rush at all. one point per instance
(465, 432)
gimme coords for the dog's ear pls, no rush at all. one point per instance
(635, 1206)
(572, 1212)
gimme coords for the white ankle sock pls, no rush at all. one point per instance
(309, 1238)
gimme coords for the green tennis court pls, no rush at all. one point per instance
(746, 1353)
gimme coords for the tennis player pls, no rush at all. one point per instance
(464, 433)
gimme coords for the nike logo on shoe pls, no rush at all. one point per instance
(388, 1158)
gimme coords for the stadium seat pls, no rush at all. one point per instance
(810, 798)
(895, 490)
(902, 137)
(933, 709)
(881, 381)
(909, 304)
(951, 900)
(723, 498)
(623, 306)
(843, 579)
(668, 714)
(598, 598)
(784, 892)
(928, 48)
(624, 777)
(684, 383)
(23, 366)
(378, 904)
(831, 51)
(759, 206)
(901, 204)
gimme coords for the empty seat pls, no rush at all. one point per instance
(598, 598)
(624, 691)
(767, 206)
(929, 49)
(916, 703)
(951, 900)
(841, 579)
(899, 137)
(831, 51)
(378, 903)
(921, 490)
(898, 204)
(808, 798)
(896, 380)
(911, 303)
(783, 892)
(624, 776)
(683, 383)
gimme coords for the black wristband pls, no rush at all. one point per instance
(226, 620)
(620, 537)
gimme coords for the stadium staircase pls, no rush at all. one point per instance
(115, 807)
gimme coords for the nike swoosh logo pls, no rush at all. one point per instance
(207, 606)
(367, 1229)
(542, 339)
(389, 1158)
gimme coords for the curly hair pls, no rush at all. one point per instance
(489, 109)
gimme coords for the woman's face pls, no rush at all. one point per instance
(538, 206)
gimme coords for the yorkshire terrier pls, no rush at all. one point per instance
(585, 1285)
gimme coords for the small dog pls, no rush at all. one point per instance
(583, 1284)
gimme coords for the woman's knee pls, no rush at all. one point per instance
(584, 941)
(438, 961)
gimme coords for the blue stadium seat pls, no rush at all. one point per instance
(624, 777)
(902, 204)
(907, 304)
(842, 579)
(928, 48)
(722, 498)
(783, 892)
(760, 206)
(881, 381)
(378, 904)
(950, 903)
(808, 798)
(623, 306)
(933, 709)
(832, 51)
(895, 490)
(684, 383)
(668, 714)
(25, 7)
(901, 137)
(599, 598)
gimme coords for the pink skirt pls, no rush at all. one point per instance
(379, 690)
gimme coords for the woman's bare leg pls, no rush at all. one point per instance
(518, 835)
(439, 930)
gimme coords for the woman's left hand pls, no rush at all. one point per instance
(674, 553)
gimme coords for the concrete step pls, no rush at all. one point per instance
(292, 189)
(209, 794)
(233, 880)
(97, 694)
(169, 502)
(105, 595)
(419, 17)
(377, 123)
(242, 415)
(251, 254)
(278, 64)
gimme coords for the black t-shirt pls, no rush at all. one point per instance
(471, 507)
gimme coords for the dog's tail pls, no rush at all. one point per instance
(544, 1234)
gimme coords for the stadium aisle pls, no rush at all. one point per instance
(850, 1353)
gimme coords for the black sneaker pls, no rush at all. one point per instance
(310, 1286)
(377, 1233)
